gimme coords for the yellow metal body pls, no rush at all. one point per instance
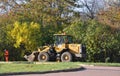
(44, 49)
(73, 48)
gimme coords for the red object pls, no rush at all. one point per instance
(6, 55)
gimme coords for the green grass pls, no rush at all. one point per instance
(33, 67)
(49, 66)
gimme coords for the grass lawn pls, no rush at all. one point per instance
(35, 67)
(49, 66)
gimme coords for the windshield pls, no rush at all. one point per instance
(60, 39)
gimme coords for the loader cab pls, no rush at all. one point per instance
(62, 39)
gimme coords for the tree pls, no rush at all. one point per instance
(27, 35)
(51, 15)
(89, 8)
(111, 17)
(55, 14)
(45, 12)
(78, 30)
(101, 43)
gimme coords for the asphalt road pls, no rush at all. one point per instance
(88, 71)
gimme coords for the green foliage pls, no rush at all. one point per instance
(99, 39)
(78, 30)
(48, 12)
(27, 34)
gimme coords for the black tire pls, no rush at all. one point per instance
(66, 57)
(43, 57)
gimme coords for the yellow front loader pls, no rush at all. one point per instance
(63, 50)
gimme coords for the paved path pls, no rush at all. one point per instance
(88, 71)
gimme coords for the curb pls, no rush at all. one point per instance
(45, 72)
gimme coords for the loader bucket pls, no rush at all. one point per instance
(30, 57)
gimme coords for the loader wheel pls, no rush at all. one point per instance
(66, 57)
(43, 57)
